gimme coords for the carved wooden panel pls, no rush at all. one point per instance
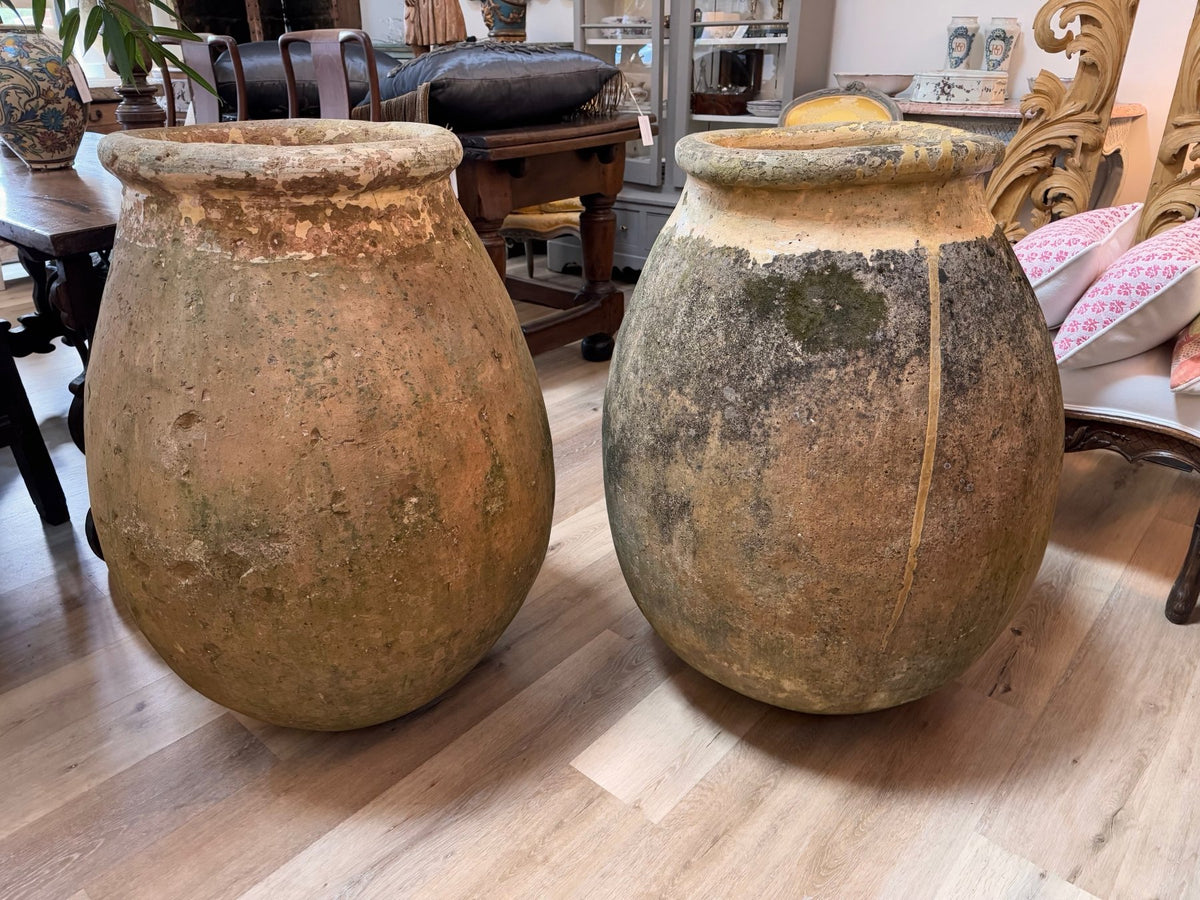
(1174, 195)
(1052, 159)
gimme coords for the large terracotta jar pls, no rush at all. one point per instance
(318, 456)
(833, 426)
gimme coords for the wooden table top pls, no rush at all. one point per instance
(63, 212)
(542, 140)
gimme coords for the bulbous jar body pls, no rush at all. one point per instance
(833, 425)
(318, 455)
(42, 114)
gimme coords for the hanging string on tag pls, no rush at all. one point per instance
(643, 119)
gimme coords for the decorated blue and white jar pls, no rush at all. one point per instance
(999, 41)
(960, 40)
(42, 112)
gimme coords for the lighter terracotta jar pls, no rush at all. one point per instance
(318, 456)
(833, 425)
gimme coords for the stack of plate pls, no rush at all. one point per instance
(766, 108)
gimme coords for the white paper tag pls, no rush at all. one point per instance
(80, 81)
(647, 133)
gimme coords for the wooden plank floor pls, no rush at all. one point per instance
(581, 758)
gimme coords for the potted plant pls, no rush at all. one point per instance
(43, 94)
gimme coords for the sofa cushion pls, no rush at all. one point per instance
(481, 86)
(1063, 258)
(266, 87)
(1141, 300)
(1185, 360)
(1134, 389)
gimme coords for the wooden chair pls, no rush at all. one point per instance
(544, 222)
(199, 55)
(19, 430)
(329, 68)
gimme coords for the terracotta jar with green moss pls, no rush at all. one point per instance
(833, 425)
(318, 456)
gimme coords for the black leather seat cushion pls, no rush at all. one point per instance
(266, 88)
(481, 86)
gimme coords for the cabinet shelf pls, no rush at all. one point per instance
(617, 42)
(740, 42)
(736, 120)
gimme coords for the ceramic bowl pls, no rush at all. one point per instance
(885, 84)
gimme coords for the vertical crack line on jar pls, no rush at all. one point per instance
(931, 433)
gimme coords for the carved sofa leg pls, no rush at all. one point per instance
(1139, 444)
(1182, 599)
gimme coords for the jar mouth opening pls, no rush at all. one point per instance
(285, 151)
(806, 156)
(281, 133)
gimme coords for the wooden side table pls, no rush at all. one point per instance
(511, 168)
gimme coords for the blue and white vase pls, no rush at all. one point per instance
(1000, 39)
(505, 19)
(960, 41)
(42, 113)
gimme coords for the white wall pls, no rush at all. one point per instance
(870, 36)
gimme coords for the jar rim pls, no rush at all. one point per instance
(842, 155)
(286, 152)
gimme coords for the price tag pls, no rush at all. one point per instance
(647, 133)
(80, 81)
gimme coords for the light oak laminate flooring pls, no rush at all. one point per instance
(583, 759)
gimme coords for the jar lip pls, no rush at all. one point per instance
(287, 152)
(847, 154)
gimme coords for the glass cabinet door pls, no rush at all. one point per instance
(737, 62)
(631, 34)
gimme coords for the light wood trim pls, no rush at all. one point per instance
(1064, 123)
(1174, 195)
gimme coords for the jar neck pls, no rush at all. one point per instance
(257, 226)
(866, 218)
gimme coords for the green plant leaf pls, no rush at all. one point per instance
(178, 33)
(92, 28)
(116, 48)
(39, 13)
(165, 7)
(67, 31)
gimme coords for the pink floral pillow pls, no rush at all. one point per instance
(1142, 300)
(1063, 258)
(1185, 360)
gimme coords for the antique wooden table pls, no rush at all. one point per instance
(62, 224)
(504, 170)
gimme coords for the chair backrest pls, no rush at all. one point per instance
(329, 69)
(198, 55)
(856, 103)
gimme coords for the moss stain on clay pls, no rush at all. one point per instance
(824, 310)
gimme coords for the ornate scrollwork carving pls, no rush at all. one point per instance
(1174, 195)
(1053, 157)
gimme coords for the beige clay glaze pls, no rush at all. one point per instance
(318, 456)
(833, 425)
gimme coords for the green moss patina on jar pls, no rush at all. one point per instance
(833, 425)
(318, 455)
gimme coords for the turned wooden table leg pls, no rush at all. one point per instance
(497, 250)
(1182, 599)
(598, 234)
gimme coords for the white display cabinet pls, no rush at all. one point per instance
(632, 35)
